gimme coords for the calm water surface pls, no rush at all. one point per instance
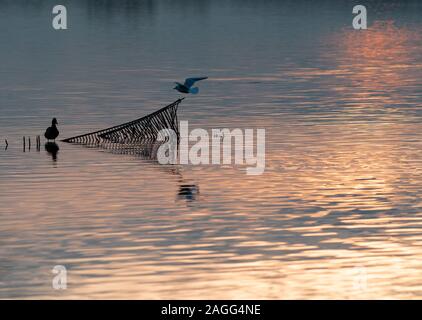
(337, 213)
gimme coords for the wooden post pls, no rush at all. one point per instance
(7, 144)
(24, 144)
(29, 143)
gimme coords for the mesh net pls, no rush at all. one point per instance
(142, 130)
(134, 137)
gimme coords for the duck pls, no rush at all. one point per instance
(52, 132)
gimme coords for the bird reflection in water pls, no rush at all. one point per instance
(52, 148)
(188, 192)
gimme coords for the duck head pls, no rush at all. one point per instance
(54, 122)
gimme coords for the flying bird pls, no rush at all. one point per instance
(187, 86)
(52, 132)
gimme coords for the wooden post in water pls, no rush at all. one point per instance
(29, 143)
(7, 144)
(38, 143)
(24, 144)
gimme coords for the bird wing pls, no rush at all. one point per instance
(190, 81)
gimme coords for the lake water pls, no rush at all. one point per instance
(337, 212)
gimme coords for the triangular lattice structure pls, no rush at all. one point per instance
(141, 130)
(137, 136)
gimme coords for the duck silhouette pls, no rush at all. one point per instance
(52, 132)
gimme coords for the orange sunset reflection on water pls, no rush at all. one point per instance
(377, 61)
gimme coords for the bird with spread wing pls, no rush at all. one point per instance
(187, 86)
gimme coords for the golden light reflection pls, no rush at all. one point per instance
(377, 61)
